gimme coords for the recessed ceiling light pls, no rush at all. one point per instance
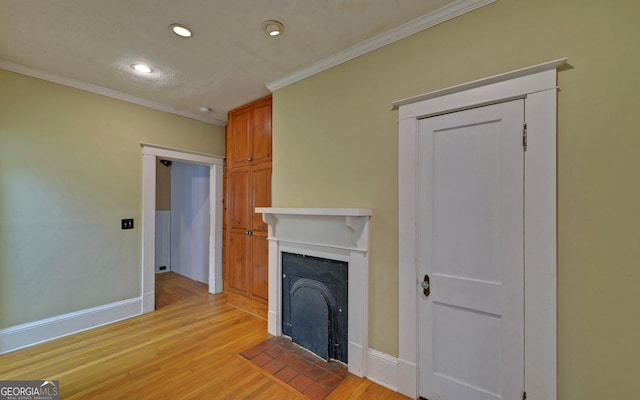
(205, 109)
(272, 28)
(181, 30)
(142, 68)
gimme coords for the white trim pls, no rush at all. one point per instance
(173, 153)
(510, 90)
(429, 20)
(382, 369)
(44, 330)
(114, 94)
(540, 250)
(149, 154)
(148, 232)
(345, 212)
(537, 85)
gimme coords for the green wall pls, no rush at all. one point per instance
(335, 145)
(70, 169)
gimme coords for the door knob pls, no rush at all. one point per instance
(426, 286)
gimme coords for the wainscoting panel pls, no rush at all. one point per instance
(163, 241)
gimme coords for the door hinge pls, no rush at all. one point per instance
(524, 137)
(524, 395)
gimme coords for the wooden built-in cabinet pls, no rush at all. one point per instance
(247, 186)
(249, 134)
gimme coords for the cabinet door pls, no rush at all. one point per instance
(261, 132)
(238, 273)
(259, 269)
(239, 138)
(238, 199)
(260, 195)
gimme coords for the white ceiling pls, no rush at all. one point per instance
(228, 62)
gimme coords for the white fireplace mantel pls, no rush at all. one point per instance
(333, 233)
(289, 221)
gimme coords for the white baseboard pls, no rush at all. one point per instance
(357, 361)
(148, 301)
(382, 369)
(25, 335)
(407, 378)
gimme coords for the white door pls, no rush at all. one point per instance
(471, 246)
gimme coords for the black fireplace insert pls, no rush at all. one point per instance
(314, 304)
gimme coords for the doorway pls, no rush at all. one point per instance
(190, 220)
(182, 231)
(470, 253)
(214, 165)
(536, 87)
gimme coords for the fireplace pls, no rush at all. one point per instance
(338, 235)
(315, 305)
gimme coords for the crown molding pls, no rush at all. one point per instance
(88, 87)
(429, 20)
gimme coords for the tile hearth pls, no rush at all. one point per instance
(297, 367)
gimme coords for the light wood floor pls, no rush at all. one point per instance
(173, 288)
(185, 350)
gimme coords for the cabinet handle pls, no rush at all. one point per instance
(249, 233)
(250, 158)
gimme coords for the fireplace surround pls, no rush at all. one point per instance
(340, 234)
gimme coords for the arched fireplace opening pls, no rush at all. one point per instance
(315, 304)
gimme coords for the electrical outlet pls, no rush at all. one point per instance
(127, 223)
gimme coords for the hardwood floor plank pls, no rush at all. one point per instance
(172, 288)
(186, 350)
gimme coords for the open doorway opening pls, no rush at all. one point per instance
(211, 226)
(182, 231)
(163, 216)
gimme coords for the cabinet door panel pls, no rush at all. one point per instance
(238, 262)
(261, 132)
(238, 138)
(238, 198)
(259, 270)
(260, 195)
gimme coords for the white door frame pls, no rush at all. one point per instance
(215, 163)
(537, 86)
